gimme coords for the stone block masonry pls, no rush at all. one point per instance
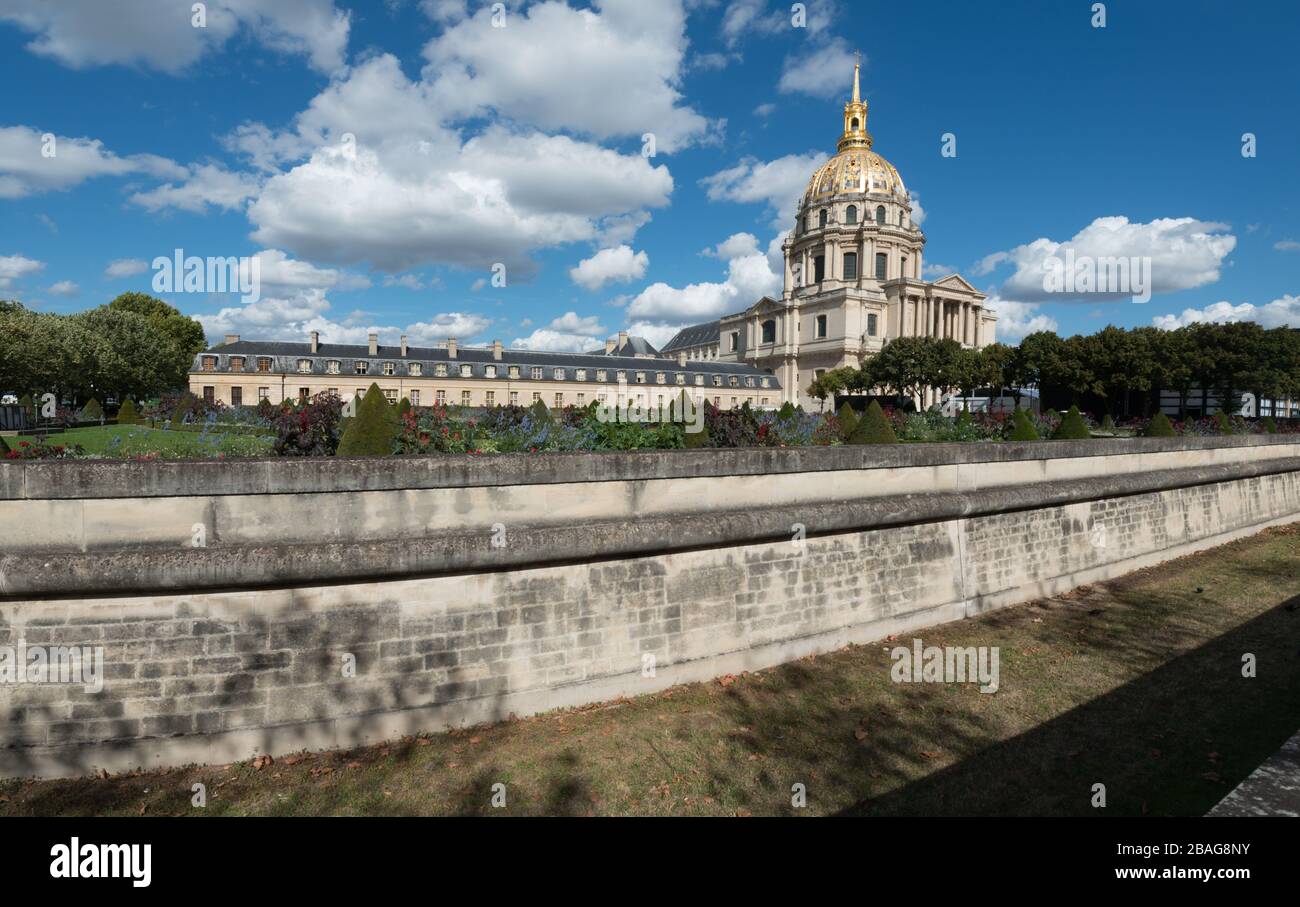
(201, 672)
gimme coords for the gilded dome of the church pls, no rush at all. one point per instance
(855, 168)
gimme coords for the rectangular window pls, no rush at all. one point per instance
(414, 369)
(681, 377)
(209, 394)
(581, 374)
(209, 363)
(464, 398)
(264, 364)
(559, 400)
(332, 366)
(466, 371)
(390, 368)
(263, 393)
(582, 399)
(621, 376)
(489, 371)
(819, 269)
(660, 378)
(602, 375)
(362, 366)
(640, 377)
(882, 265)
(440, 370)
(514, 398)
(236, 396)
(390, 395)
(717, 381)
(536, 373)
(303, 394)
(871, 325)
(536, 396)
(304, 366)
(735, 341)
(699, 379)
(850, 265)
(441, 397)
(415, 398)
(236, 363)
(491, 398)
(513, 372)
(558, 374)
(821, 326)
(333, 390)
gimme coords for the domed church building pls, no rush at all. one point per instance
(853, 266)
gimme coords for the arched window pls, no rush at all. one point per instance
(850, 265)
(769, 331)
(880, 214)
(851, 214)
(882, 264)
(855, 122)
(821, 218)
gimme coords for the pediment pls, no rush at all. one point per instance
(764, 305)
(956, 282)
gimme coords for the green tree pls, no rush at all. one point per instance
(374, 428)
(183, 335)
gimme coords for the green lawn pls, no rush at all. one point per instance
(138, 440)
(1135, 684)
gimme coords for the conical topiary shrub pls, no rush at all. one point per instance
(1072, 427)
(371, 432)
(1159, 427)
(786, 411)
(1222, 424)
(1022, 429)
(92, 411)
(404, 407)
(540, 413)
(848, 420)
(127, 414)
(1107, 424)
(1268, 426)
(873, 427)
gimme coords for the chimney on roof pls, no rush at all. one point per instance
(374, 344)
(609, 346)
(232, 338)
(315, 341)
(404, 346)
(451, 347)
(681, 357)
(622, 340)
(496, 350)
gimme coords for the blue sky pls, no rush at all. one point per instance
(522, 145)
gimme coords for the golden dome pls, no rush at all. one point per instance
(856, 170)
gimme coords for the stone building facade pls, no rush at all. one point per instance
(853, 279)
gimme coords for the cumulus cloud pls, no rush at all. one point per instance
(30, 164)
(822, 72)
(743, 17)
(662, 309)
(410, 192)
(611, 71)
(16, 267)
(617, 265)
(1287, 245)
(84, 33)
(1017, 319)
(125, 267)
(205, 185)
(64, 288)
(570, 333)
(1184, 253)
(779, 183)
(1281, 312)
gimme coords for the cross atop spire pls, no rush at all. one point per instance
(855, 114)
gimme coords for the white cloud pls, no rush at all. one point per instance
(64, 288)
(570, 333)
(742, 17)
(750, 276)
(779, 183)
(1184, 253)
(657, 332)
(409, 281)
(764, 110)
(617, 265)
(16, 267)
(1281, 312)
(205, 185)
(823, 71)
(83, 33)
(612, 71)
(126, 267)
(411, 193)
(30, 165)
(1017, 319)
(1287, 245)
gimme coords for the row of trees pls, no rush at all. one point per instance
(135, 346)
(1106, 371)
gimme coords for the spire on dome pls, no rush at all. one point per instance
(855, 116)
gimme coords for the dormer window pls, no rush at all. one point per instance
(264, 364)
(362, 366)
(466, 371)
(580, 375)
(209, 363)
(717, 381)
(489, 371)
(660, 378)
(304, 365)
(236, 363)
(414, 370)
(390, 368)
(512, 372)
(332, 367)
(440, 370)
(699, 380)
(536, 373)
(602, 375)
(558, 374)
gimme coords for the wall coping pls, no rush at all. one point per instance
(91, 479)
(133, 570)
